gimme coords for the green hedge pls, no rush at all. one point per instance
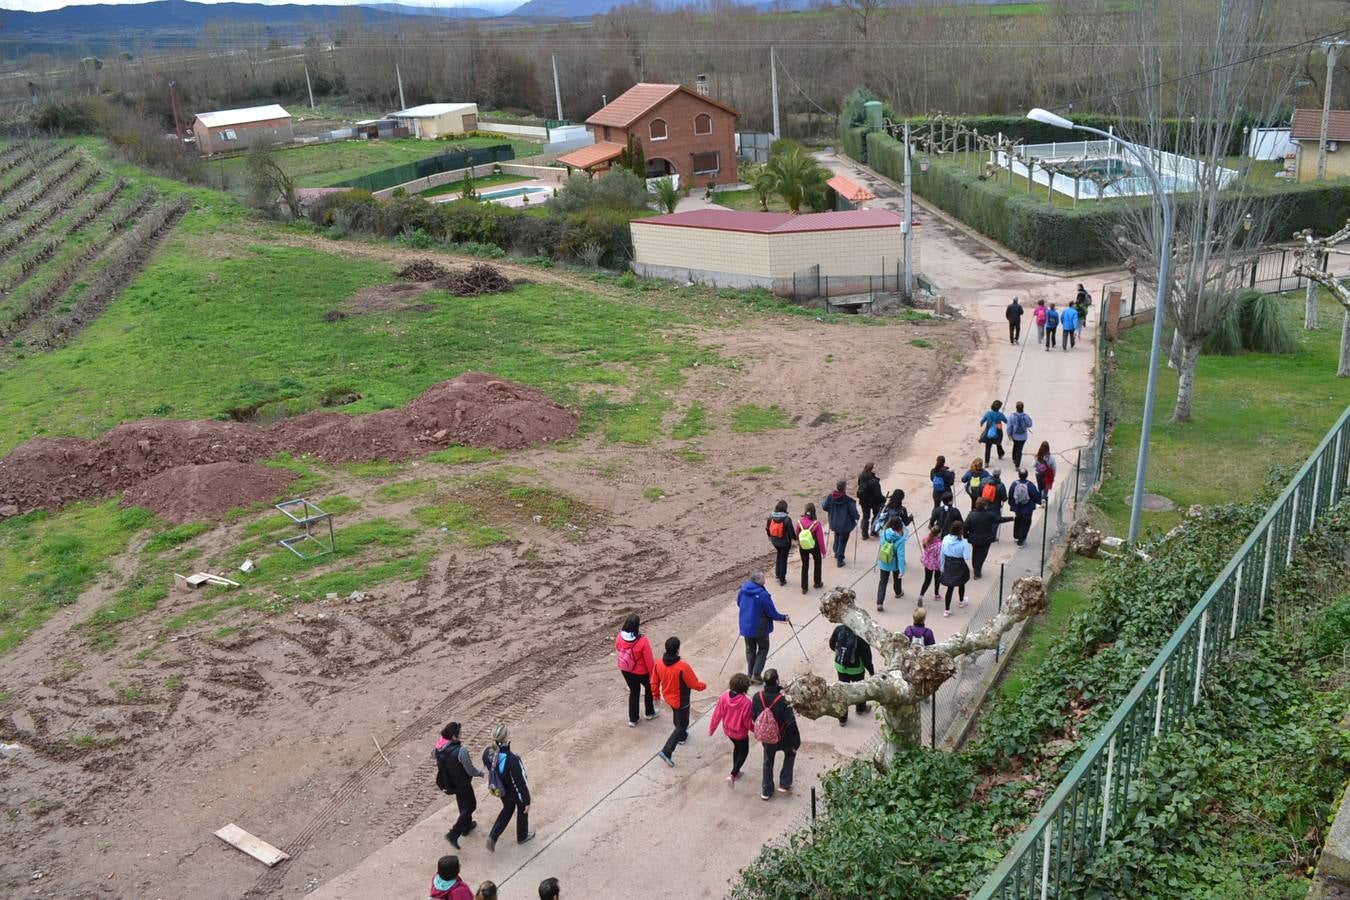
(855, 142)
(1028, 226)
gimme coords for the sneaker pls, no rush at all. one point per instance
(666, 759)
(472, 826)
(805, 591)
(651, 715)
(843, 721)
(962, 604)
(685, 741)
(529, 836)
(731, 779)
(946, 613)
(491, 845)
(632, 724)
(879, 607)
(818, 584)
(766, 796)
(755, 679)
(841, 563)
(784, 790)
(454, 841)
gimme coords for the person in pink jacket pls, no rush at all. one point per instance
(733, 712)
(636, 664)
(1039, 313)
(809, 523)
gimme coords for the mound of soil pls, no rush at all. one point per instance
(423, 270)
(474, 409)
(475, 281)
(194, 493)
(394, 297)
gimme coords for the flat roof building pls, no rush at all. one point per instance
(432, 120)
(235, 129)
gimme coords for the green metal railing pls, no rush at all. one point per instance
(1065, 836)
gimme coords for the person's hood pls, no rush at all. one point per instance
(440, 884)
(441, 743)
(771, 691)
(670, 659)
(838, 495)
(628, 636)
(787, 517)
(890, 534)
(753, 587)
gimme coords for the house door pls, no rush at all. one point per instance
(470, 122)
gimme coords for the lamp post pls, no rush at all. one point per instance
(908, 290)
(1164, 258)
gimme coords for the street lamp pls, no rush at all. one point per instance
(1164, 258)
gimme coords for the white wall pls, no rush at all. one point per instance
(1270, 143)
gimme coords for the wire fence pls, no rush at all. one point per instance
(432, 165)
(1075, 822)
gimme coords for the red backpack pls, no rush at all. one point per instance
(989, 492)
(776, 528)
(766, 726)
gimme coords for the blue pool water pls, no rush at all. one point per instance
(513, 192)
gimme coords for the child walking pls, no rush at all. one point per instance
(733, 713)
(932, 560)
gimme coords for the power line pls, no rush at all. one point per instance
(802, 92)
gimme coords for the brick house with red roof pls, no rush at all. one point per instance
(681, 132)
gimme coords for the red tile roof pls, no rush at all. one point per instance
(854, 193)
(585, 157)
(776, 223)
(1307, 125)
(639, 99)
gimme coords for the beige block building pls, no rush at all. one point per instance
(856, 250)
(432, 120)
(1305, 130)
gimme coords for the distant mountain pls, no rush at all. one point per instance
(448, 12)
(565, 9)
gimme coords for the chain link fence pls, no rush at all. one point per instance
(1065, 836)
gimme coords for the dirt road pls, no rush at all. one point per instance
(613, 820)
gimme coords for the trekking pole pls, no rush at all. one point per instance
(729, 652)
(799, 642)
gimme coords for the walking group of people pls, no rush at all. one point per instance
(1051, 320)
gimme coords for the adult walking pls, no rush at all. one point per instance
(1051, 324)
(891, 560)
(510, 772)
(932, 561)
(843, 513)
(945, 514)
(636, 662)
(1082, 299)
(789, 737)
(672, 681)
(781, 535)
(870, 497)
(852, 658)
(1045, 471)
(1068, 323)
(1023, 498)
(1019, 430)
(981, 532)
(732, 712)
(956, 557)
(942, 478)
(894, 513)
(810, 538)
(991, 429)
(1039, 314)
(1014, 316)
(757, 615)
(455, 773)
(974, 479)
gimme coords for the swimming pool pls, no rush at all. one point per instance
(513, 192)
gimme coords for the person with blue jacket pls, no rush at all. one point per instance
(1051, 324)
(843, 513)
(891, 559)
(1023, 498)
(1019, 429)
(757, 617)
(991, 429)
(1068, 322)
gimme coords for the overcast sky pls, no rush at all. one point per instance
(39, 5)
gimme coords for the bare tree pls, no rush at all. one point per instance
(268, 183)
(1219, 223)
(1308, 259)
(862, 12)
(909, 674)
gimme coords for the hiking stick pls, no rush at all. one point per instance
(729, 652)
(799, 642)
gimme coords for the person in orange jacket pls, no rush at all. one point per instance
(672, 680)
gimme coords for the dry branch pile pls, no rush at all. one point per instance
(423, 270)
(475, 281)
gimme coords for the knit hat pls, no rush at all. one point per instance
(500, 735)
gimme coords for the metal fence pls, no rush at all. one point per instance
(1074, 823)
(432, 165)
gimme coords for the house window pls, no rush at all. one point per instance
(702, 124)
(606, 127)
(657, 129)
(707, 163)
(229, 135)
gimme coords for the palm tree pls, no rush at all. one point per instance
(798, 179)
(667, 194)
(761, 181)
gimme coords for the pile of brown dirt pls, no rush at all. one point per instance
(474, 409)
(394, 297)
(423, 270)
(475, 281)
(194, 493)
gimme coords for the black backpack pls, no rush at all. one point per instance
(450, 774)
(846, 649)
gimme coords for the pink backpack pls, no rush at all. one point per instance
(766, 726)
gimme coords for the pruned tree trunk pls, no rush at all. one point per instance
(1343, 371)
(1310, 307)
(1311, 262)
(1189, 358)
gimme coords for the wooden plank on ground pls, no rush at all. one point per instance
(257, 848)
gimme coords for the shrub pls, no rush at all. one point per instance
(1253, 323)
(67, 118)
(602, 230)
(616, 189)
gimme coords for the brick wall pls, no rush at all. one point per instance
(211, 140)
(681, 143)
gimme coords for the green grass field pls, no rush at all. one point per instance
(746, 199)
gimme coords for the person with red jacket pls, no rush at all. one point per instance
(635, 664)
(446, 884)
(810, 523)
(733, 712)
(672, 680)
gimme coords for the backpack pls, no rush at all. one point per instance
(776, 528)
(491, 756)
(886, 553)
(846, 650)
(992, 432)
(917, 639)
(990, 492)
(975, 482)
(767, 730)
(939, 483)
(1021, 493)
(628, 657)
(806, 538)
(1018, 423)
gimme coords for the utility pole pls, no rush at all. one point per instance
(773, 90)
(1332, 48)
(908, 224)
(173, 102)
(557, 92)
(402, 104)
(309, 87)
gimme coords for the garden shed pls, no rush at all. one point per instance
(235, 129)
(432, 120)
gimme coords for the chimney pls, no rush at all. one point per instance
(701, 85)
